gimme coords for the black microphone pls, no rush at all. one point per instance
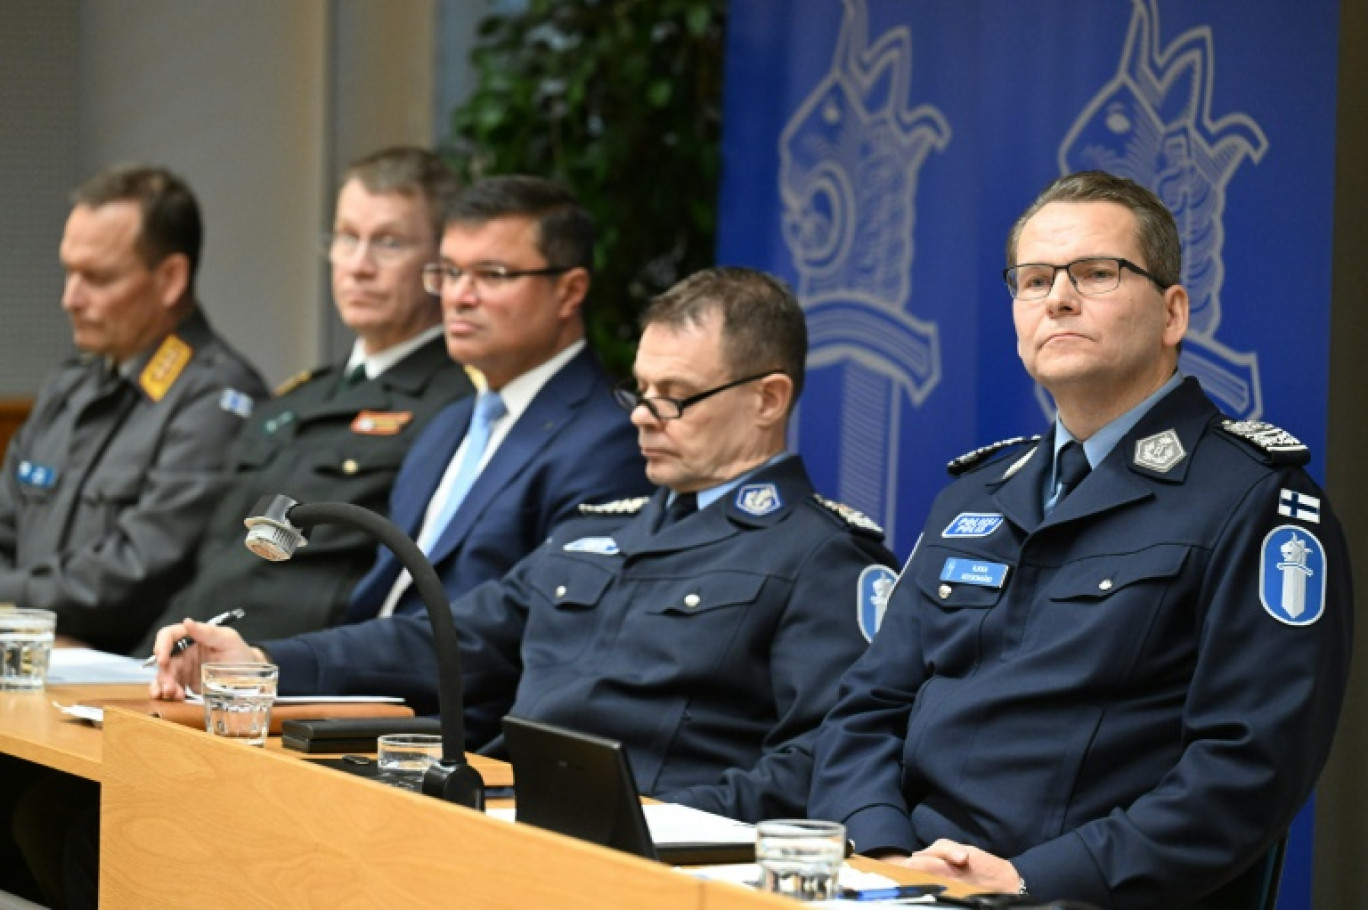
(273, 534)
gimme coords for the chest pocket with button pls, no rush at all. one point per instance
(1099, 578)
(701, 594)
(564, 617)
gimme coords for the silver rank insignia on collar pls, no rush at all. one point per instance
(1160, 452)
(758, 499)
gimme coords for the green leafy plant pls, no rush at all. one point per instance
(620, 100)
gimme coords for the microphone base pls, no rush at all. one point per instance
(455, 782)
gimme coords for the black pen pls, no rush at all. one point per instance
(890, 894)
(226, 618)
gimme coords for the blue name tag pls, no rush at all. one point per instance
(36, 475)
(974, 572)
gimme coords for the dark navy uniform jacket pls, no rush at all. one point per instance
(712, 649)
(315, 442)
(107, 486)
(572, 445)
(1124, 719)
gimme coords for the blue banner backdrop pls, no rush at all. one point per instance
(876, 153)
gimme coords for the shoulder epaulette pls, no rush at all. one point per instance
(616, 507)
(966, 461)
(294, 382)
(853, 517)
(1280, 446)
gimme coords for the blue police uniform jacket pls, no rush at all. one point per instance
(1138, 709)
(573, 444)
(711, 648)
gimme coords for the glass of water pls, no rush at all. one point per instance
(800, 858)
(25, 647)
(405, 757)
(237, 700)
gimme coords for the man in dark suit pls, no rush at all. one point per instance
(340, 432)
(513, 276)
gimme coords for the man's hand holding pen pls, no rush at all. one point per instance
(177, 672)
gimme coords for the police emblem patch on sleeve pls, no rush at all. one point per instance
(616, 507)
(875, 587)
(1280, 446)
(852, 517)
(966, 461)
(1292, 570)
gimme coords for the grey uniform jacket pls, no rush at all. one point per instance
(107, 486)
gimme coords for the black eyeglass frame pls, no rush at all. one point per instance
(629, 399)
(1121, 263)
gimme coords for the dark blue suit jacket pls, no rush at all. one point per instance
(572, 445)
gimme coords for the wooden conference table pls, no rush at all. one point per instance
(189, 819)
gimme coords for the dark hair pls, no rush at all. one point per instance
(408, 171)
(565, 235)
(1156, 230)
(170, 214)
(763, 326)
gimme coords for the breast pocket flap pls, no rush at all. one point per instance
(1099, 577)
(703, 594)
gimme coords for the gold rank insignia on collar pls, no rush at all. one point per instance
(294, 382)
(165, 367)
(616, 507)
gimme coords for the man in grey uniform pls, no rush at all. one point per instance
(106, 487)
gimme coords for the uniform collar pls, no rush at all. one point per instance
(376, 364)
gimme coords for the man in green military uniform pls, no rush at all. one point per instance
(340, 432)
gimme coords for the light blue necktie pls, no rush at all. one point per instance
(489, 407)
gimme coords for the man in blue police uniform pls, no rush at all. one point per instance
(1112, 669)
(705, 626)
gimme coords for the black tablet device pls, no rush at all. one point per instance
(582, 785)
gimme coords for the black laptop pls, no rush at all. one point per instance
(581, 785)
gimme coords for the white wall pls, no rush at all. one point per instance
(257, 103)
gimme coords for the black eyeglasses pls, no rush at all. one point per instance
(1090, 277)
(665, 408)
(485, 278)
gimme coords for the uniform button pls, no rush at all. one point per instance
(560, 590)
(691, 600)
(1105, 584)
(350, 466)
(943, 591)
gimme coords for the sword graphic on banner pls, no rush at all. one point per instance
(850, 157)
